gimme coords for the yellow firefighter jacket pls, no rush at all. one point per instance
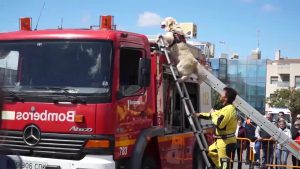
(224, 119)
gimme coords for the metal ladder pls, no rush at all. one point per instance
(253, 114)
(189, 110)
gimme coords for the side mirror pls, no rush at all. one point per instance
(144, 72)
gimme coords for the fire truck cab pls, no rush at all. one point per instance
(94, 99)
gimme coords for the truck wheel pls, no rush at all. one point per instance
(198, 161)
(149, 163)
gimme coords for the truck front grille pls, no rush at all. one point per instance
(52, 145)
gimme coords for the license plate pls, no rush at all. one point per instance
(32, 165)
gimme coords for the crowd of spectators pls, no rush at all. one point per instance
(265, 148)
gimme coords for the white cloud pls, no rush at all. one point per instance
(248, 1)
(269, 8)
(149, 19)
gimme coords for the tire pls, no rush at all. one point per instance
(149, 163)
(198, 161)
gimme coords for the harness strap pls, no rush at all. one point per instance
(177, 38)
(224, 136)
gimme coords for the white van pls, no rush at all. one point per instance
(274, 114)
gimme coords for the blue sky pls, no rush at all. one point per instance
(236, 22)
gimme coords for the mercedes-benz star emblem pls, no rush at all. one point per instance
(31, 135)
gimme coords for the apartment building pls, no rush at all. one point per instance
(282, 73)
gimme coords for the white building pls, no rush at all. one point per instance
(282, 73)
(256, 54)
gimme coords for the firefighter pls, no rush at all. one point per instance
(225, 120)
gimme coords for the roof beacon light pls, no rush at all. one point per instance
(106, 22)
(25, 24)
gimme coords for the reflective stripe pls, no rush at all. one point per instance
(126, 142)
(224, 136)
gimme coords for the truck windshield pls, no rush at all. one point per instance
(81, 66)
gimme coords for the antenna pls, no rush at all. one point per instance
(39, 17)
(61, 22)
(258, 38)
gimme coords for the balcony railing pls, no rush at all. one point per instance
(283, 84)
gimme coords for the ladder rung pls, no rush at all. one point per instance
(192, 115)
(203, 149)
(198, 132)
(178, 80)
(183, 98)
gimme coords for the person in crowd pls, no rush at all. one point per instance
(279, 117)
(266, 142)
(298, 117)
(250, 127)
(281, 151)
(241, 144)
(295, 132)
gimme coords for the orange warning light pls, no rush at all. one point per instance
(25, 24)
(106, 22)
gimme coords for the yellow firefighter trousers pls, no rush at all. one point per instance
(221, 148)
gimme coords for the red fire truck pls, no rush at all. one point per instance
(93, 99)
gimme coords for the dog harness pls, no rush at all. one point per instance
(177, 38)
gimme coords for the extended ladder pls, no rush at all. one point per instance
(189, 110)
(253, 114)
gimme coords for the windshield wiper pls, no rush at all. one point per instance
(12, 96)
(72, 99)
(51, 88)
(69, 96)
(65, 94)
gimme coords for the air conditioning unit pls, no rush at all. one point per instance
(189, 29)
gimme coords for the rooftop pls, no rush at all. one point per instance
(284, 61)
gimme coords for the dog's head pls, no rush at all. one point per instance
(168, 24)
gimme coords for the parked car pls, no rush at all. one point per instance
(274, 114)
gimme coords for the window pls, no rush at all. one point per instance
(129, 65)
(251, 71)
(175, 116)
(8, 67)
(285, 77)
(82, 65)
(272, 96)
(274, 79)
(297, 81)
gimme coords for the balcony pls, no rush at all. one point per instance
(283, 84)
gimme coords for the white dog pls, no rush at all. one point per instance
(181, 54)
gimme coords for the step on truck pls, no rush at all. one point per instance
(95, 99)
